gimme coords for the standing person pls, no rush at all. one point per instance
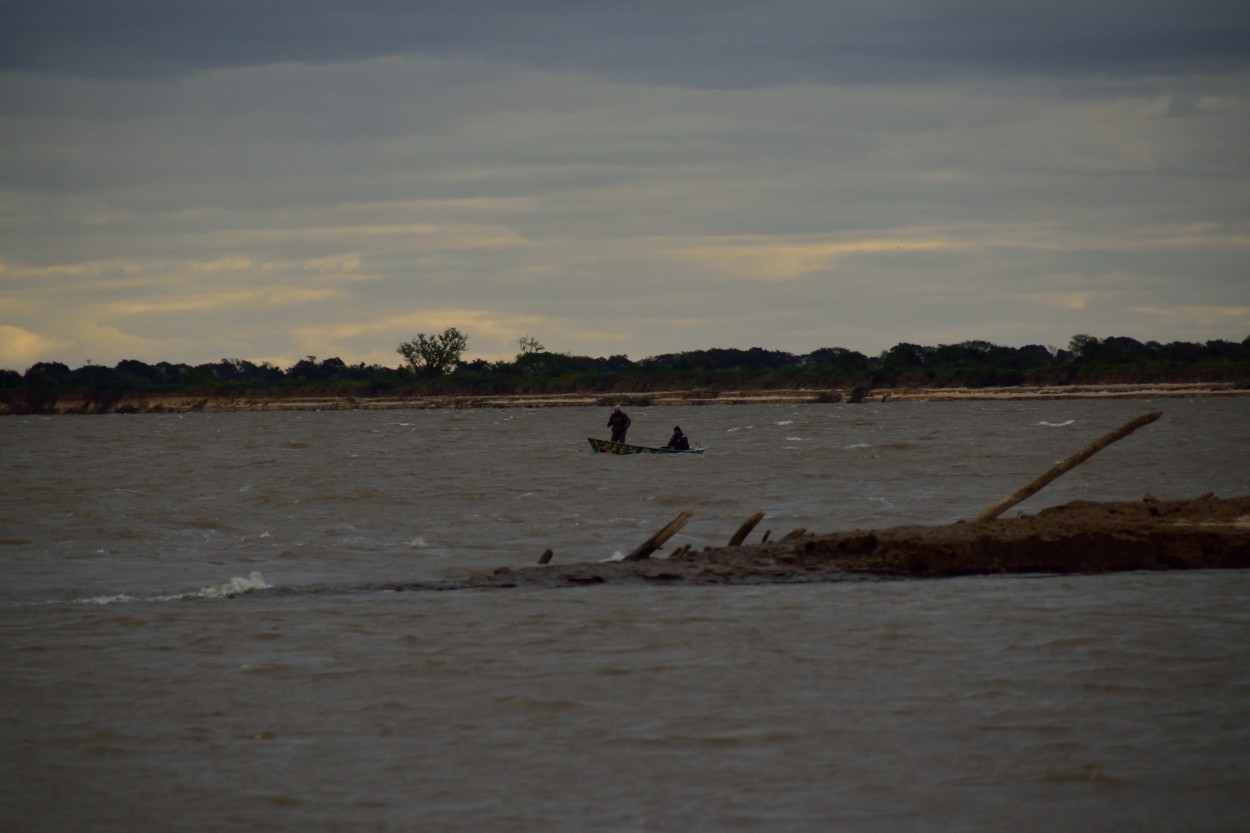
(619, 423)
(679, 440)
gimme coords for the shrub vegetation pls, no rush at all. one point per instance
(972, 364)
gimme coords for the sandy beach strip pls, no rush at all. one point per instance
(183, 403)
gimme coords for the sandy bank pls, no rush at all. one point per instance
(1081, 537)
(156, 403)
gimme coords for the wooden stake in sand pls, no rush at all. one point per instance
(1070, 463)
(657, 540)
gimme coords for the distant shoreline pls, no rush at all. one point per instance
(183, 403)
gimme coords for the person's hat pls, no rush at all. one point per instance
(677, 428)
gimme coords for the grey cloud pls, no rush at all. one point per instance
(722, 44)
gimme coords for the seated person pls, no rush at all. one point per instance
(679, 440)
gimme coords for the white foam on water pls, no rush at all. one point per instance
(1056, 424)
(106, 600)
(234, 587)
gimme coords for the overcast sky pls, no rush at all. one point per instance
(270, 180)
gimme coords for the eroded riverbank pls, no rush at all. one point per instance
(182, 403)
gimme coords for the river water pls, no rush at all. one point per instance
(189, 641)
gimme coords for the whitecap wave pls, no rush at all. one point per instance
(235, 586)
(1056, 424)
(107, 600)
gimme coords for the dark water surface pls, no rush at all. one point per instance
(139, 692)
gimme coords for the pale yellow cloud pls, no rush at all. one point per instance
(20, 348)
(98, 275)
(225, 264)
(69, 270)
(1189, 236)
(772, 259)
(412, 237)
(437, 237)
(345, 264)
(1065, 300)
(446, 207)
(269, 296)
(1203, 315)
(95, 338)
(171, 287)
(492, 335)
(129, 272)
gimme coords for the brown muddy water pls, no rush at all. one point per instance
(172, 660)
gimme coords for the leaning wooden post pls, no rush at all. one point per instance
(745, 530)
(1070, 463)
(657, 540)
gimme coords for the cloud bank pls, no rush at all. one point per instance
(268, 181)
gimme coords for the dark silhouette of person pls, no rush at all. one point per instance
(619, 423)
(679, 440)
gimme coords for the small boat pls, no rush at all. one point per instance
(609, 447)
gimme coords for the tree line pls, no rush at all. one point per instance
(434, 365)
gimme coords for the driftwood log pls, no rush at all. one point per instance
(657, 540)
(1068, 464)
(745, 530)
